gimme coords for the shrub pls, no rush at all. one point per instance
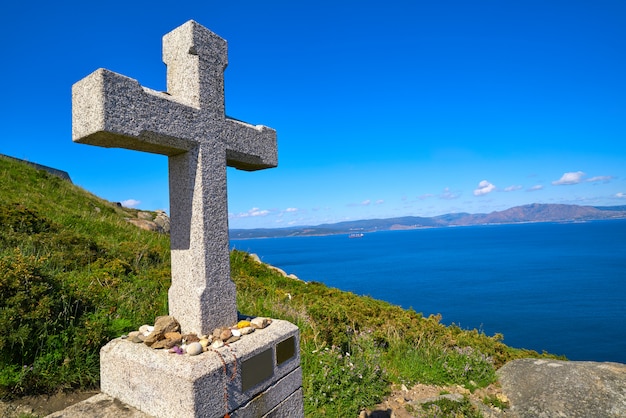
(36, 325)
(341, 383)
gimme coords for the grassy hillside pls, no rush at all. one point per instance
(74, 274)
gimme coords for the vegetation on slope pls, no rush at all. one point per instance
(74, 274)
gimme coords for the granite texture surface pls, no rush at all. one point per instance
(189, 125)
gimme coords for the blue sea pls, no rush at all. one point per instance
(558, 287)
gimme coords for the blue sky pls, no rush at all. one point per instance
(382, 109)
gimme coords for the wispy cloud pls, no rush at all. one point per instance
(380, 202)
(251, 213)
(574, 177)
(130, 203)
(448, 194)
(513, 188)
(290, 211)
(535, 188)
(484, 187)
(366, 202)
(620, 195)
(426, 196)
(604, 179)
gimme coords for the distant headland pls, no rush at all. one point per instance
(534, 212)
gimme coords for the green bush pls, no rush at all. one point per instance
(30, 304)
(74, 274)
(342, 383)
(450, 408)
(38, 327)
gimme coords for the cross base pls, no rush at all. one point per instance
(259, 375)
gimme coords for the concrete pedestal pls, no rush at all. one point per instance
(258, 376)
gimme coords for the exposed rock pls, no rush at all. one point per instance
(145, 215)
(102, 406)
(550, 388)
(162, 325)
(144, 224)
(282, 272)
(260, 322)
(149, 222)
(278, 270)
(163, 221)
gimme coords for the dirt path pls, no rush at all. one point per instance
(401, 403)
(42, 405)
(407, 403)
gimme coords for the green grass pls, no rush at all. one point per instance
(74, 274)
(450, 408)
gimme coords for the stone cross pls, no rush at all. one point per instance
(188, 124)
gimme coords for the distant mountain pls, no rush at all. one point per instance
(535, 212)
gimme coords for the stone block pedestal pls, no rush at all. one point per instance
(257, 376)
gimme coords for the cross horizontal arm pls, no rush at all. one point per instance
(249, 147)
(115, 111)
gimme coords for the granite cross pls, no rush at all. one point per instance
(188, 124)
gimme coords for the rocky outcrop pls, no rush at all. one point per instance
(531, 387)
(280, 271)
(550, 388)
(54, 171)
(156, 222)
(100, 406)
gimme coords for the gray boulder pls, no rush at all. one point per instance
(550, 388)
(99, 406)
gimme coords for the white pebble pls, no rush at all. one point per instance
(194, 349)
(246, 330)
(146, 329)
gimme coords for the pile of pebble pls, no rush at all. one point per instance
(165, 334)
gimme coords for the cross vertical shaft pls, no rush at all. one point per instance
(188, 124)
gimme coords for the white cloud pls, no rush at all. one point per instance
(484, 187)
(535, 188)
(291, 210)
(448, 195)
(258, 212)
(569, 178)
(605, 179)
(621, 195)
(251, 213)
(426, 196)
(513, 188)
(130, 203)
(380, 201)
(366, 202)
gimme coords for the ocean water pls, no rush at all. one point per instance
(558, 287)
